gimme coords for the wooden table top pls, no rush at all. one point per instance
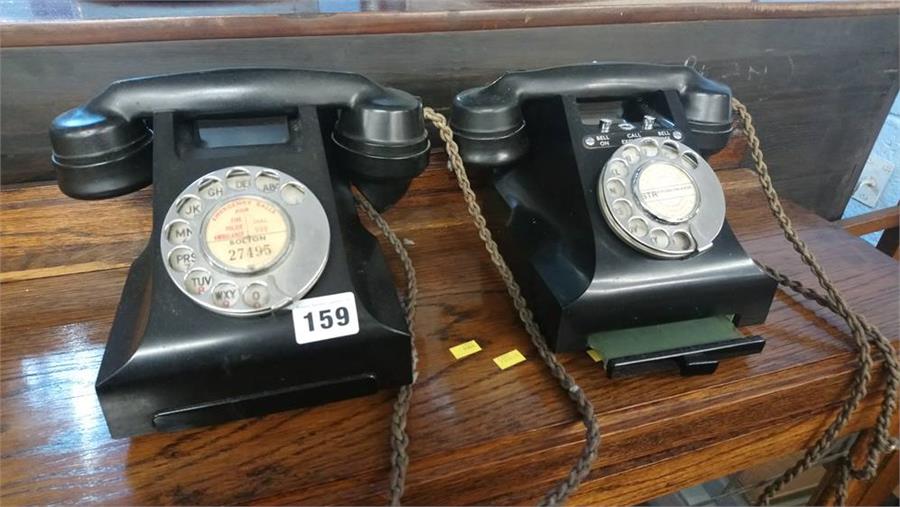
(478, 434)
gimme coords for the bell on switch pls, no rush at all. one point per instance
(605, 124)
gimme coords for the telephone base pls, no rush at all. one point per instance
(578, 275)
(157, 376)
(265, 402)
(172, 363)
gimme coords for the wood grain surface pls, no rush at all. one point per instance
(478, 435)
(56, 22)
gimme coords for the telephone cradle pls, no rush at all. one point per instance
(608, 215)
(252, 214)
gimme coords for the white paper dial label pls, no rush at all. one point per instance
(667, 192)
(247, 234)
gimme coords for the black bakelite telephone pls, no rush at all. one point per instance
(607, 212)
(611, 220)
(609, 215)
(257, 258)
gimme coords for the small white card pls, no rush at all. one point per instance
(324, 318)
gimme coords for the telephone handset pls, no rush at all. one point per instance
(103, 148)
(259, 286)
(608, 213)
(490, 124)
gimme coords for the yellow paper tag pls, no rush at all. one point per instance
(511, 358)
(465, 349)
(595, 355)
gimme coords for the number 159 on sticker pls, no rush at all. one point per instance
(325, 317)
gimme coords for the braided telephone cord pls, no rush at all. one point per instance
(860, 330)
(883, 442)
(399, 438)
(582, 467)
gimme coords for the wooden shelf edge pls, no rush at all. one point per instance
(15, 34)
(871, 222)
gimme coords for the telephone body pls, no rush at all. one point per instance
(604, 207)
(252, 213)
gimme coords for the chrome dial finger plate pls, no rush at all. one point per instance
(661, 198)
(245, 240)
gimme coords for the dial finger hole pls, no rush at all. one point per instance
(631, 154)
(178, 232)
(681, 240)
(238, 179)
(638, 227)
(649, 147)
(622, 209)
(267, 181)
(189, 207)
(225, 294)
(659, 238)
(292, 193)
(691, 159)
(617, 168)
(615, 188)
(198, 281)
(182, 259)
(211, 188)
(256, 295)
(669, 149)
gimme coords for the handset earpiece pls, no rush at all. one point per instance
(490, 127)
(383, 143)
(97, 155)
(708, 113)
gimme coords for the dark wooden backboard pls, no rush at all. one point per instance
(819, 88)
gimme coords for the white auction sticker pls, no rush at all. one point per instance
(324, 318)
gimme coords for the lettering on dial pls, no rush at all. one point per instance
(198, 281)
(256, 295)
(182, 259)
(225, 294)
(212, 188)
(179, 232)
(267, 182)
(189, 207)
(238, 179)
